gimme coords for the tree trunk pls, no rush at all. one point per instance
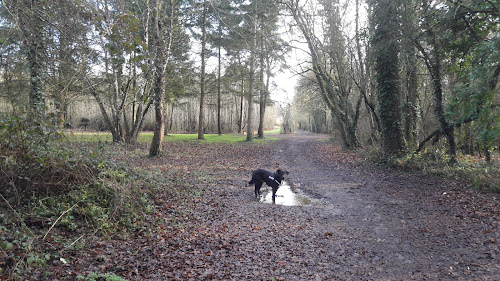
(433, 62)
(159, 83)
(410, 109)
(33, 28)
(387, 69)
(240, 115)
(263, 96)
(201, 119)
(251, 85)
(219, 66)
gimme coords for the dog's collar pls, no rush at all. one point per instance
(271, 177)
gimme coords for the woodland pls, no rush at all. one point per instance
(123, 120)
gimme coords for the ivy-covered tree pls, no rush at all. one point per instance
(386, 49)
(28, 17)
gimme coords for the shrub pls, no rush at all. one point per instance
(33, 161)
(55, 189)
(469, 170)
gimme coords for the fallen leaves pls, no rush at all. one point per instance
(216, 231)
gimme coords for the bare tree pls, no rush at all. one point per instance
(330, 66)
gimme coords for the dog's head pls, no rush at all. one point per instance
(279, 175)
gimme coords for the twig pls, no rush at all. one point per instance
(73, 243)
(52, 226)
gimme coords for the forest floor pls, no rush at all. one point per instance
(359, 222)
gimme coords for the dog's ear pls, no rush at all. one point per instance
(279, 171)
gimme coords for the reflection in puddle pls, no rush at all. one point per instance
(288, 196)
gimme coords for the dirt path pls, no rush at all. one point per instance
(390, 227)
(363, 224)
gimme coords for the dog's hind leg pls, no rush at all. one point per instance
(257, 189)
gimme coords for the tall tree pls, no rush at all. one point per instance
(201, 119)
(330, 65)
(271, 52)
(472, 41)
(219, 83)
(363, 72)
(410, 67)
(262, 89)
(386, 48)
(28, 16)
(433, 61)
(251, 86)
(124, 38)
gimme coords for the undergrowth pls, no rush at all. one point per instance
(54, 198)
(472, 171)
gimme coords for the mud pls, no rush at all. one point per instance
(388, 226)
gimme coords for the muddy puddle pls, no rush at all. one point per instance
(288, 196)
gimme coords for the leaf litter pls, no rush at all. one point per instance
(370, 224)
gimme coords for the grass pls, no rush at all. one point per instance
(213, 138)
(275, 131)
(146, 137)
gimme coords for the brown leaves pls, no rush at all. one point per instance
(370, 224)
(335, 156)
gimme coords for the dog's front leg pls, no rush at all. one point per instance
(274, 195)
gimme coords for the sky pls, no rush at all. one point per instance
(285, 91)
(287, 79)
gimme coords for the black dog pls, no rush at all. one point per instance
(273, 180)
